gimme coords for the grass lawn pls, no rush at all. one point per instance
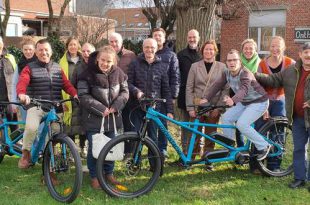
(227, 184)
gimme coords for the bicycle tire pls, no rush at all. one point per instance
(64, 180)
(133, 179)
(280, 132)
(2, 151)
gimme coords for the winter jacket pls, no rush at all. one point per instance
(288, 79)
(151, 79)
(186, 58)
(98, 91)
(169, 57)
(125, 57)
(199, 82)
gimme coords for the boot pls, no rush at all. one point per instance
(24, 162)
(111, 179)
(95, 183)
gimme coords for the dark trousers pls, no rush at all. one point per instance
(301, 137)
(12, 117)
(91, 161)
(162, 140)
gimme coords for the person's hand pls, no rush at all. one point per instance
(106, 112)
(266, 115)
(228, 101)
(76, 99)
(202, 101)
(65, 107)
(112, 110)
(170, 115)
(139, 94)
(25, 99)
(306, 105)
(192, 113)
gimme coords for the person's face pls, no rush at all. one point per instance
(248, 50)
(73, 47)
(209, 52)
(116, 44)
(149, 49)
(28, 51)
(192, 39)
(159, 37)
(86, 51)
(44, 52)
(105, 61)
(276, 48)
(233, 62)
(305, 57)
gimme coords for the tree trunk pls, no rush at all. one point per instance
(61, 15)
(194, 14)
(50, 18)
(5, 21)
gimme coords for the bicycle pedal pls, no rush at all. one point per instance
(220, 153)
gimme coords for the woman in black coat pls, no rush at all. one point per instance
(103, 93)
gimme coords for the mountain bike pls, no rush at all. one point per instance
(62, 166)
(141, 166)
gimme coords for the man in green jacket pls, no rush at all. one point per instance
(296, 83)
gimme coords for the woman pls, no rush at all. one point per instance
(274, 63)
(201, 76)
(250, 101)
(69, 62)
(250, 60)
(28, 49)
(103, 92)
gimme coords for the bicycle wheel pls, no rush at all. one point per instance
(137, 172)
(62, 169)
(279, 131)
(2, 151)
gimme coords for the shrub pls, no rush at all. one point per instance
(58, 47)
(135, 47)
(16, 52)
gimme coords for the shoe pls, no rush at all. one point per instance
(111, 179)
(209, 167)
(297, 183)
(54, 179)
(177, 163)
(95, 184)
(262, 154)
(24, 161)
(256, 172)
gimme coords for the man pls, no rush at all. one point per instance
(296, 83)
(170, 58)
(7, 67)
(187, 57)
(147, 76)
(125, 57)
(43, 79)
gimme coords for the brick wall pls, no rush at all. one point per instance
(234, 31)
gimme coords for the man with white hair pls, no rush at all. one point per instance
(7, 67)
(125, 57)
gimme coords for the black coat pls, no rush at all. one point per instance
(151, 79)
(98, 91)
(186, 58)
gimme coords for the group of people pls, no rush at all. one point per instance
(110, 81)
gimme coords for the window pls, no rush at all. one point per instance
(265, 24)
(124, 25)
(136, 15)
(72, 6)
(139, 24)
(146, 24)
(12, 29)
(131, 24)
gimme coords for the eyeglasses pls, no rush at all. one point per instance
(232, 60)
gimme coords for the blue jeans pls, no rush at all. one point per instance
(244, 116)
(91, 161)
(301, 137)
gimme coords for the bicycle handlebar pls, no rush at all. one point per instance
(39, 102)
(4, 103)
(151, 100)
(206, 107)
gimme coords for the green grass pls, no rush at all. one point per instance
(227, 184)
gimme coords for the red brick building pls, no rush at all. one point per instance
(287, 18)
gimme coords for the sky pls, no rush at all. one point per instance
(127, 3)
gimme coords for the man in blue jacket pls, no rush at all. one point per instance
(147, 76)
(170, 58)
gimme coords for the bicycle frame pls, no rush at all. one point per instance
(155, 116)
(10, 143)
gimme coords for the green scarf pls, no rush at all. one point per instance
(251, 65)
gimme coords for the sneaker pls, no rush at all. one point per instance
(262, 154)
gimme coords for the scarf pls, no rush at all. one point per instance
(251, 65)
